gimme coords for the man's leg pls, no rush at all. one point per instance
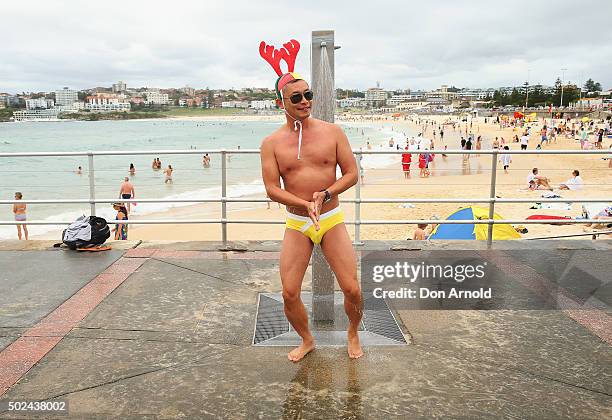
(294, 259)
(339, 253)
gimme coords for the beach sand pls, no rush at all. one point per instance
(450, 178)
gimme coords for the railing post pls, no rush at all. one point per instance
(492, 198)
(224, 197)
(92, 183)
(358, 201)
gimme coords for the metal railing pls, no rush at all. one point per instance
(492, 200)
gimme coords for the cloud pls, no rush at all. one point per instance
(402, 44)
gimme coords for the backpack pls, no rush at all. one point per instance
(99, 232)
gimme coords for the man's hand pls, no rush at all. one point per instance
(318, 198)
(313, 213)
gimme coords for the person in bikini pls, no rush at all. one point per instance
(19, 210)
(304, 152)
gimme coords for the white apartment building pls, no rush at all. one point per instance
(39, 103)
(264, 104)
(351, 103)
(375, 95)
(36, 115)
(234, 104)
(398, 99)
(107, 103)
(476, 94)
(412, 104)
(154, 97)
(73, 107)
(66, 96)
(120, 86)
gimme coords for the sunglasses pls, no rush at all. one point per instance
(296, 98)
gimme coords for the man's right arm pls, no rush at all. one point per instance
(271, 178)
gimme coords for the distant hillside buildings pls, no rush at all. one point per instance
(120, 98)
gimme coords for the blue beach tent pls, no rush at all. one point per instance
(472, 230)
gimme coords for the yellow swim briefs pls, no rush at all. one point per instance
(326, 221)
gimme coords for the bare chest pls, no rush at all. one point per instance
(315, 153)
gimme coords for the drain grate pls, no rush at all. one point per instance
(271, 320)
(378, 319)
(272, 328)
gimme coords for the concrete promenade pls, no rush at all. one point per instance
(165, 330)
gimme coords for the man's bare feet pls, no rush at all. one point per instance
(298, 353)
(354, 347)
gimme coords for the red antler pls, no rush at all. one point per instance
(292, 48)
(272, 56)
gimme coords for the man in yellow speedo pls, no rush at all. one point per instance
(304, 152)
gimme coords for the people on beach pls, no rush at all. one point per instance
(574, 183)
(544, 135)
(495, 144)
(154, 164)
(19, 212)
(132, 169)
(524, 141)
(406, 159)
(311, 197)
(79, 171)
(605, 216)
(535, 181)
(168, 173)
(206, 160)
(120, 229)
(583, 138)
(126, 191)
(506, 159)
(468, 146)
(599, 143)
(423, 171)
(419, 232)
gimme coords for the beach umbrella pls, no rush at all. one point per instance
(473, 231)
(518, 115)
(586, 119)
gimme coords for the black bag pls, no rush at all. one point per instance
(100, 232)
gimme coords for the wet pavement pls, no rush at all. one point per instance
(165, 331)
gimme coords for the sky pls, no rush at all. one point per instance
(401, 44)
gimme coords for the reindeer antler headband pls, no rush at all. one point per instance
(273, 56)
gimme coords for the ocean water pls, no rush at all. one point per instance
(56, 177)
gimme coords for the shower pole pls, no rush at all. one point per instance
(322, 276)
